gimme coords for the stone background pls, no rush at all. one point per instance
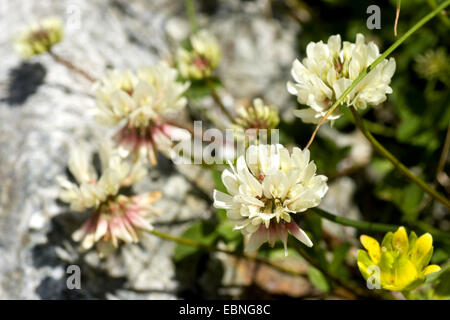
(44, 109)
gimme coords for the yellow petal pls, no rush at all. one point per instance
(387, 241)
(412, 240)
(386, 264)
(364, 262)
(420, 254)
(372, 246)
(403, 274)
(400, 240)
(431, 268)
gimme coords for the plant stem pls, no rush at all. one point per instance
(190, 9)
(400, 166)
(438, 234)
(380, 227)
(379, 129)
(360, 225)
(443, 16)
(444, 154)
(218, 101)
(210, 248)
(351, 289)
(71, 66)
(361, 76)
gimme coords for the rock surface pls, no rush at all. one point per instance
(44, 109)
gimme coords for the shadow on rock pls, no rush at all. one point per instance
(24, 81)
(95, 282)
(200, 276)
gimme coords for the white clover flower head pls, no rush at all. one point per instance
(203, 57)
(329, 69)
(266, 188)
(39, 37)
(114, 216)
(253, 118)
(258, 115)
(140, 102)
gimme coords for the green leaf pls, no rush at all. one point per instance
(406, 196)
(203, 232)
(314, 224)
(441, 255)
(442, 289)
(225, 230)
(340, 253)
(197, 90)
(217, 178)
(381, 167)
(318, 280)
(327, 155)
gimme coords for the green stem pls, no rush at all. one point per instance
(400, 166)
(361, 76)
(379, 129)
(210, 248)
(190, 8)
(360, 225)
(381, 227)
(438, 234)
(443, 16)
(217, 99)
(444, 154)
(338, 281)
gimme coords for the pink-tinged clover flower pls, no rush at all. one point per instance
(139, 103)
(114, 216)
(199, 61)
(266, 188)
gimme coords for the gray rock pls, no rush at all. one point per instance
(44, 108)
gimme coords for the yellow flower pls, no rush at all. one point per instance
(202, 59)
(401, 260)
(39, 37)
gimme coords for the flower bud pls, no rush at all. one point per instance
(39, 37)
(201, 59)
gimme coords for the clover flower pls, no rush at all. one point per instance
(266, 189)
(201, 59)
(432, 64)
(402, 260)
(256, 116)
(39, 37)
(114, 216)
(255, 121)
(140, 102)
(329, 69)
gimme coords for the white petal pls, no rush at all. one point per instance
(222, 200)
